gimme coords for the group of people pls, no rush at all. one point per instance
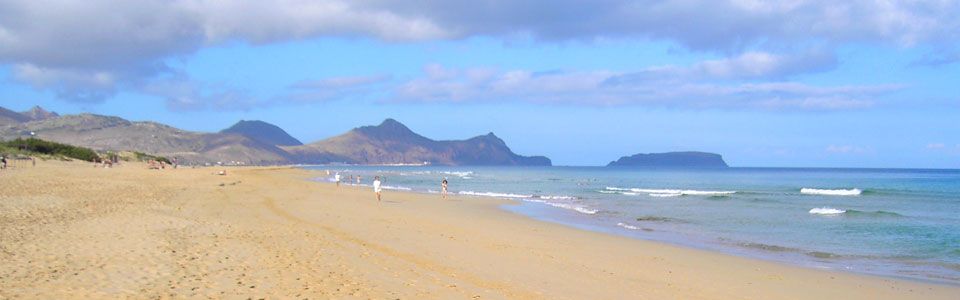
(3, 161)
(338, 178)
(377, 185)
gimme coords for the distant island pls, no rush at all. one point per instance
(259, 143)
(687, 159)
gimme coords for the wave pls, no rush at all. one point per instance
(823, 255)
(768, 247)
(493, 194)
(396, 188)
(658, 219)
(877, 213)
(666, 195)
(573, 207)
(558, 197)
(826, 211)
(837, 192)
(631, 227)
(667, 192)
(461, 174)
(458, 173)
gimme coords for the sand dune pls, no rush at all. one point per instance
(68, 230)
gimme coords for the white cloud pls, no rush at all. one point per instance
(129, 41)
(936, 146)
(661, 86)
(77, 85)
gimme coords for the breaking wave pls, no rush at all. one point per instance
(826, 211)
(568, 206)
(666, 192)
(493, 194)
(836, 192)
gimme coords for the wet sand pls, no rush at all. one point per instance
(68, 230)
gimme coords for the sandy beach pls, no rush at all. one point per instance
(68, 231)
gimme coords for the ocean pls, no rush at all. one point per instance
(890, 222)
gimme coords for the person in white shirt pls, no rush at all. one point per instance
(337, 178)
(376, 187)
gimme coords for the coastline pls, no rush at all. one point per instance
(72, 231)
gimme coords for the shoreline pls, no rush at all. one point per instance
(539, 205)
(505, 204)
(72, 231)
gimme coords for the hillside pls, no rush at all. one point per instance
(9, 117)
(258, 142)
(391, 143)
(263, 132)
(689, 159)
(106, 133)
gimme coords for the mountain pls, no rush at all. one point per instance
(688, 159)
(106, 133)
(9, 117)
(263, 132)
(38, 113)
(391, 143)
(257, 142)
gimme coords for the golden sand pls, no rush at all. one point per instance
(68, 230)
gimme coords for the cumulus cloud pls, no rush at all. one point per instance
(663, 86)
(53, 44)
(88, 50)
(698, 24)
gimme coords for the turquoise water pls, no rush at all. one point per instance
(900, 223)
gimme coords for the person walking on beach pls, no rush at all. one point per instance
(337, 179)
(376, 187)
(358, 179)
(443, 188)
(3, 162)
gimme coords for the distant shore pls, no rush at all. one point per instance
(72, 231)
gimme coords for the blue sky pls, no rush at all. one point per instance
(799, 83)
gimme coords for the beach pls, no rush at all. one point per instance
(68, 230)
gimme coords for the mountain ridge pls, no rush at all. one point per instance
(258, 142)
(391, 142)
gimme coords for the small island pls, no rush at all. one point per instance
(686, 159)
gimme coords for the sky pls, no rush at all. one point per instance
(787, 84)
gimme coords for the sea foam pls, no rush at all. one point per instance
(494, 194)
(396, 188)
(568, 206)
(826, 211)
(838, 192)
(667, 192)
